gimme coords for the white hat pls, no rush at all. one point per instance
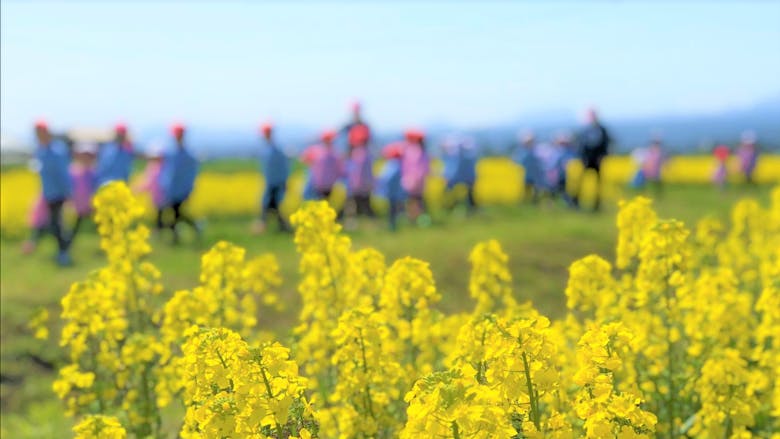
(748, 136)
(85, 148)
(563, 137)
(156, 148)
(526, 136)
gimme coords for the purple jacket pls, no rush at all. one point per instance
(415, 167)
(360, 175)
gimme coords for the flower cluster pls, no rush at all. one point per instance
(677, 337)
(99, 427)
(491, 282)
(234, 390)
(124, 339)
(109, 330)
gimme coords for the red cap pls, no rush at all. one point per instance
(414, 135)
(721, 152)
(177, 129)
(309, 154)
(41, 124)
(266, 128)
(394, 150)
(358, 135)
(120, 128)
(328, 136)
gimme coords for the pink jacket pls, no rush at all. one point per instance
(150, 182)
(326, 166)
(360, 178)
(415, 167)
(83, 188)
(39, 215)
(652, 164)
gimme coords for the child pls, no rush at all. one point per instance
(548, 156)
(653, 163)
(460, 166)
(325, 165)
(748, 155)
(415, 167)
(150, 183)
(721, 153)
(308, 188)
(276, 169)
(115, 159)
(53, 159)
(526, 156)
(389, 181)
(565, 154)
(177, 179)
(359, 173)
(39, 222)
(82, 173)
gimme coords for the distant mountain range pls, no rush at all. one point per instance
(680, 133)
(684, 133)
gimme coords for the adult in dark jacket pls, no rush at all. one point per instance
(593, 141)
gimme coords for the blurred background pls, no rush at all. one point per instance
(702, 79)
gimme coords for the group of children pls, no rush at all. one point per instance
(650, 162)
(401, 180)
(544, 165)
(747, 155)
(71, 173)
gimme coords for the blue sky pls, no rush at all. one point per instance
(232, 64)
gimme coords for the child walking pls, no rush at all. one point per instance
(115, 159)
(526, 156)
(415, 167)
(39, 224)
(389, 182)
(275, 167)
(748, 155)
(460, 167)
(325, 166)
(177, 179)
(721, 154)
(359, 173)
(82, 173)
(53, 159)
(150, 183)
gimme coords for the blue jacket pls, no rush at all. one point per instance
(460, 167)
(308, 188)
(530, 162)
(113, 163)
(563, 162)
(177, 177)
(389, 181)
(274, 164)
(55, 178)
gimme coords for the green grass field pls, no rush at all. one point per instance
(541, 241)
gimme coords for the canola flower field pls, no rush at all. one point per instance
(499, 182)
(678, 336)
